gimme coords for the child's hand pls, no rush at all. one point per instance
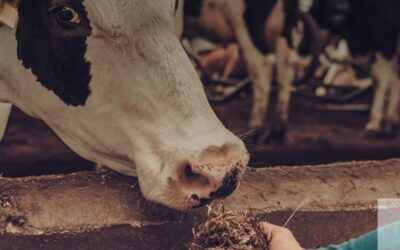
(279, 238)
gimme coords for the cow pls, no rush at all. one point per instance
(112, 80)
(371, 29)
(264, 30)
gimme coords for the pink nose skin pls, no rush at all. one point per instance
(214, 175)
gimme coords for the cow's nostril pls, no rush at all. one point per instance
(189, 173)
(192, 179)
(195, 197)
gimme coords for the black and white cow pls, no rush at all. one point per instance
(112, 80)
(371, 28)
(264, 31)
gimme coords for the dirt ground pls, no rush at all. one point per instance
(315, 136)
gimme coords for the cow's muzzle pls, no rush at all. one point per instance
(214, 176)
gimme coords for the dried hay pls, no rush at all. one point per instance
(228, 230)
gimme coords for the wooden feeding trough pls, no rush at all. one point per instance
(104, 210)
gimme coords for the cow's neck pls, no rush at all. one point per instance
(13, 76)
(4, 74)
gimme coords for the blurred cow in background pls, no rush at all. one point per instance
(371, 29)
(264, 31)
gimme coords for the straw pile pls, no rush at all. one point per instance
(228, 230)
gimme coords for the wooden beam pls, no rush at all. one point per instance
(79, 203)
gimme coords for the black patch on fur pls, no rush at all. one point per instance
(370, 25)
(256, 15)
(257, 12)
(291, 10)
(176, 5)
(193, 7)
(55, 51)
(325, 11)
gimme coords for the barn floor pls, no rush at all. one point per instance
(315, 137)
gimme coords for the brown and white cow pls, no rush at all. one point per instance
(112, 80)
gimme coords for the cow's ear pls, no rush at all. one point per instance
(8, 14)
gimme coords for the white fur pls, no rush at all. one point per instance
(385, 105)
(179, 19)
(5, 109)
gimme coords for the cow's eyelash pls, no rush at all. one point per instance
(60, 5)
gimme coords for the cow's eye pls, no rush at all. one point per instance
(67, 15)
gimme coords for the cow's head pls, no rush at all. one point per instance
(112, 80)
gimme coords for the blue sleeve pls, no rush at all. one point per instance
(387, 237)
